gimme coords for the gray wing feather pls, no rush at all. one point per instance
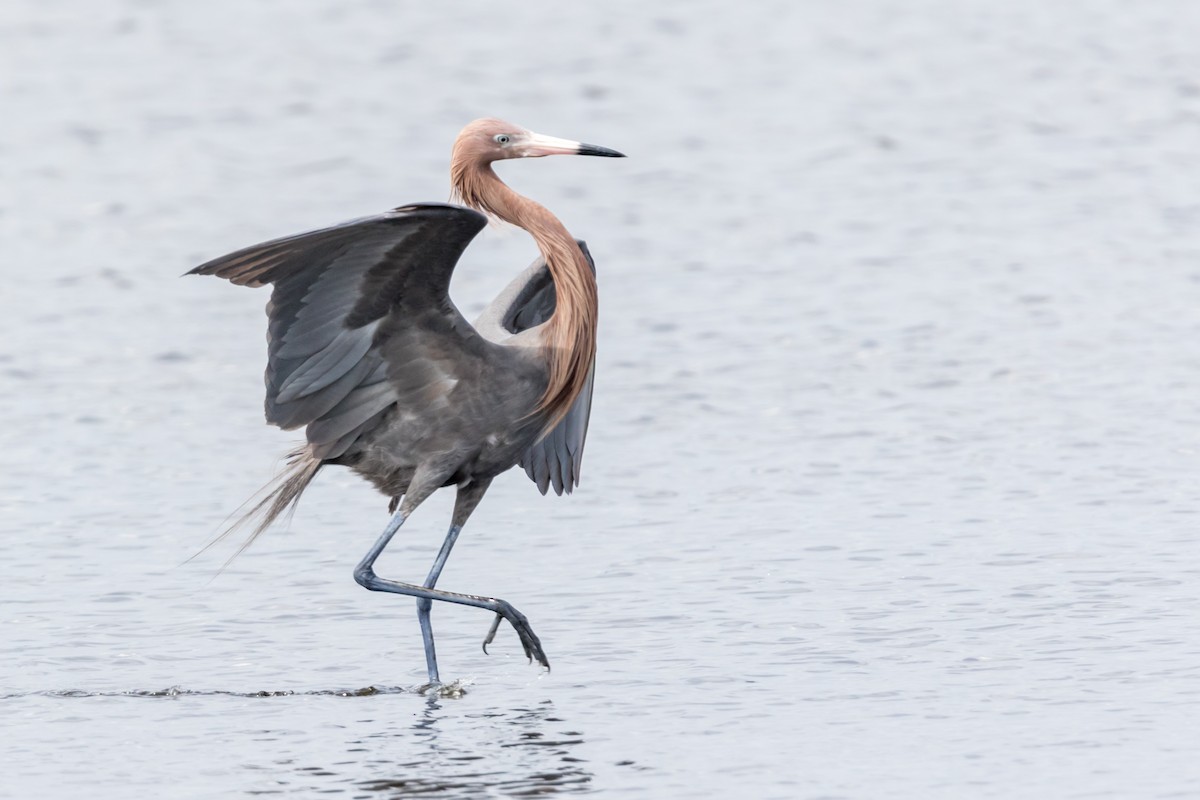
(332, 289)
(355, 409)
(527, 301)
(331, 362)
(313, 408)
(556, 460)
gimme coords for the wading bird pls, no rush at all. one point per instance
(368, 352)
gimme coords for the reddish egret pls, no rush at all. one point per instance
(366, 349)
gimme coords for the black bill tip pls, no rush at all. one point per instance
(597, 150)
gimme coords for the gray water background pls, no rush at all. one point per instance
(891, 483)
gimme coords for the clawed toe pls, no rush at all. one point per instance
(491, 634)
(529, 640)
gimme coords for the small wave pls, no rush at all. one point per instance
(454, 689)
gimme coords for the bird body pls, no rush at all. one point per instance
(369, 354)
(469, 413)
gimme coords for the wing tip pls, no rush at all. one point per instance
(207, 268)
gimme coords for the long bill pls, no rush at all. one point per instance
(538, 145)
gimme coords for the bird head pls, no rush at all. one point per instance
(487, 140)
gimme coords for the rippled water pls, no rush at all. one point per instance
(891, 482)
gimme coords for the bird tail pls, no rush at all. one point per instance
(273, 500)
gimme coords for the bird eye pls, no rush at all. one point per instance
(500, 138)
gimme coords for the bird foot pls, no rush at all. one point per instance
(450, 691)
(529, 639)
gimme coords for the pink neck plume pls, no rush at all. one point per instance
(570, 334)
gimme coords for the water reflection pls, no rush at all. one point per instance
(421, 743)
(520, 752)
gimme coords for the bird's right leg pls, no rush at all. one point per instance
(469, 495)
(364, 573)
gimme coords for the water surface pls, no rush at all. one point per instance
(891, 482)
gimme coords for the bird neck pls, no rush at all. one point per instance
(569, 336)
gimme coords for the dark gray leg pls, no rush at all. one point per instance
(364, 573)
(466, 501)
(425, 605)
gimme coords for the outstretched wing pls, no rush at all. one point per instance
(528, 301)
(333, 288)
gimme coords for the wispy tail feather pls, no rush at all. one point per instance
(273, 500)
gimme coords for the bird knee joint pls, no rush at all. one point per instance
(365, 577)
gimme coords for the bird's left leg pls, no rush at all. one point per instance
(469, 495)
